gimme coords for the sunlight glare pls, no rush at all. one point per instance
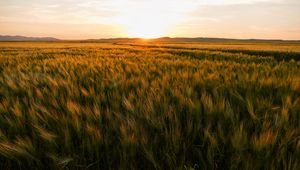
(146, 26)
(154, 19)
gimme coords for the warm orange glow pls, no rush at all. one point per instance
(90, 19)
(151, 19)
(147, 27)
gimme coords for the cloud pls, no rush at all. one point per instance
(191, 17)
(102, 11)
(233, 2)
(259, 20)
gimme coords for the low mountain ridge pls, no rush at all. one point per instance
(23, 38)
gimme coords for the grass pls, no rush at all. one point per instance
(70, 105)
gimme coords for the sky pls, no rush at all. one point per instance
(87, 19)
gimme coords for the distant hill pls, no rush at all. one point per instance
(23, 38)
(197, 39)
(207, 39)
(162, 39)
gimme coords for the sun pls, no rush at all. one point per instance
(141, 24)
(147, 20)
(151, 19)
(145, 30)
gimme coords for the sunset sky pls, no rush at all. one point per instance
(83, 19)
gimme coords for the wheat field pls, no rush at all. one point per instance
(149, 105)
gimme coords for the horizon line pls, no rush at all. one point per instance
(154, 38)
